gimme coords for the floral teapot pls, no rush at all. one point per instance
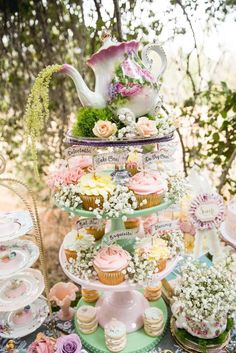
(122, 79)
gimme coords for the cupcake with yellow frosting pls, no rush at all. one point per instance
(94, 189)
(156, 249)
(160, 253)
(75, 241)
(132, 164)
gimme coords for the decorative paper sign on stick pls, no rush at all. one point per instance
(162, 154)
(110, 158)
(165, 226)
(89, 222)
(120, 234)
(79, 150)
(207, 211)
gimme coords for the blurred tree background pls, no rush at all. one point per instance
(199, 87)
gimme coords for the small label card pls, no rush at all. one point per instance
(109, 158)
(89, 222)
(207, 211)
(120, 234)
(165, 226)
(79, 150)
(160, 155)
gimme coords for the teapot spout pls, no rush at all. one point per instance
(87, 97)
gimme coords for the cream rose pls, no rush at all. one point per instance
(104, 129)
(146, 127)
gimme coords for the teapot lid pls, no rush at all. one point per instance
(110, 49)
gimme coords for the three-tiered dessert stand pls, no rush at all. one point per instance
(22, 307)
(125, 301)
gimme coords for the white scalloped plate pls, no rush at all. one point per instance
(124, 286)
(14, 224)
(16, 256)
(36, 315)
(225, 235)
(20, 290)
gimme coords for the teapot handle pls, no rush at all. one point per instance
(148, 62)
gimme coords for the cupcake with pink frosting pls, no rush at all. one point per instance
(110, 264)
(149, 189)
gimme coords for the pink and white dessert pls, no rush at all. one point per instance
(230, 218)
(109, 264)
(15, 289)
(149, 189)
(23, 316)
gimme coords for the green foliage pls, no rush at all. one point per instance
(86, 119)
(37, 109)
(184, 335)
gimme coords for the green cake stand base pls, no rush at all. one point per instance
(137, 342)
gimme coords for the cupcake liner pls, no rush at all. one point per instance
(97, 233)
(132, 170)
(110, 278)
(70, 254)
(89, 201)
(161, 264)
(131, 224)
(152, 200)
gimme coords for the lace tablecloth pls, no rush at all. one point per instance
(167, 342)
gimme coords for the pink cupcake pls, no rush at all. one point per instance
(110, 263)
(149, 189)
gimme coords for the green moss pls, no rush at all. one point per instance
(204, 343)
(86, 119)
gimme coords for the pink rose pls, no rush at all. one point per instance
(68, 344)
(146, 127)
(55, 179)
(187, 227)
(149, 222)
(131, 89)
(72, 175)
(104, 129)
(41, 345)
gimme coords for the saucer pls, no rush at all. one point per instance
(17, 255)
(20, 289)
(226, 236)
(35, 316)
(14, 224)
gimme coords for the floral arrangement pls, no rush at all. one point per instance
(175, 241)
(104, 123)
(64, 344)
(67, 196)
(83, 265)
(121, 201)
(37, 111)
(177, 188)
(204, 298)
(140, 269)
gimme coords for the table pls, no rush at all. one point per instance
(167, 342)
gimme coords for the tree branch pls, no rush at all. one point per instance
(183, 152)
(226, 170)
(182, 145)
(118, 19)
(193, 34)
